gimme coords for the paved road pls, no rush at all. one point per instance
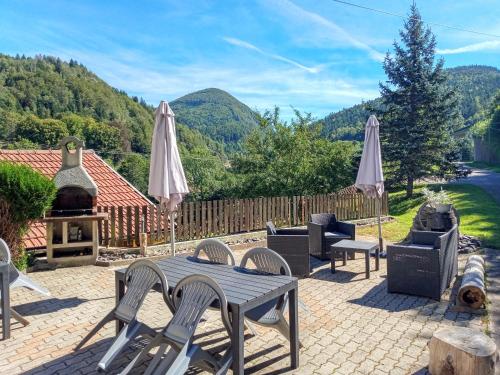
(488, 180)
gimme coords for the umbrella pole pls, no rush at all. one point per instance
(379, 211)
(172, 233)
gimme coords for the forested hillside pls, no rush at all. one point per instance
(216, 114)
(43, 99)
(476, 86)
(227, 149)
(47, 87)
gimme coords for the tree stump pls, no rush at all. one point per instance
(461, 351)
(472, 291)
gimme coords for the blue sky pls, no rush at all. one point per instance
(317, 56)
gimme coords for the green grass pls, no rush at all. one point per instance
(479, 214)
(484, 165)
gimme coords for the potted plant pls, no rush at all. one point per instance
(440, 200)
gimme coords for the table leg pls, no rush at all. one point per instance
(5, 306)
(293, 311)
(377, 259)
(332, 268)
(367, 264)
(238, 341)
(344, 258)
(119, 292)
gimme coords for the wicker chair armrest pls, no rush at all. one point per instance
(288, 237)
(347, 228)
(315, 230)
(292, 232)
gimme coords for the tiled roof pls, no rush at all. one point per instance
(114, 190)
(348, 190)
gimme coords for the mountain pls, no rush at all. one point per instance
(476, 85)
(216, 114)
(47, 87)
(51, 92)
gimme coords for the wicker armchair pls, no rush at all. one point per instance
(293, 245)
(324, 231)
(426, 266)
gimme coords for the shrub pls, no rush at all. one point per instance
(41, 131)
(25, 194)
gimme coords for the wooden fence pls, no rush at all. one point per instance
(195, 220)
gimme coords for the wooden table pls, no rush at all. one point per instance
(244, 291)
(351, 247)
(4, 293)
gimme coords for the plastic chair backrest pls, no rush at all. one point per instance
(216, 251)
(191, 297)
(4, 252)
(140, 277)
(267, 261)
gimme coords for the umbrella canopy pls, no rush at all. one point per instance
(167, 181)
(370, 177)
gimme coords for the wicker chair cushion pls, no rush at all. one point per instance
(426, 247)
(336, 235)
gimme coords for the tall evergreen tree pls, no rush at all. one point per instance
(419, 111)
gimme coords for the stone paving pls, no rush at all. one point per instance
(353, 327)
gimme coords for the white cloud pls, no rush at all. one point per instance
(482, 46)
(316, 29)
(260, 89)
(243, 44)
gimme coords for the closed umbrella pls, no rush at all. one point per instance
(370, 177)
(167, 182)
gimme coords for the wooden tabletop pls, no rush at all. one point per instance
(242, 287)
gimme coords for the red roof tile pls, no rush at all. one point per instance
(114, 190)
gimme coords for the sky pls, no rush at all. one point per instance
(315, 56)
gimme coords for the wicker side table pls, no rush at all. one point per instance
(351, 247)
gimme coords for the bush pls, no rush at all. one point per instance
(41, 131)
(25, 194)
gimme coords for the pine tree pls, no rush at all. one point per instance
(419, 111)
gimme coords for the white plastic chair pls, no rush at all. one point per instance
(216, 252)
(19, 280)
(140, 277)
(191, 297)
(271, 313)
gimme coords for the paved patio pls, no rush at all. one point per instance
(354, 326)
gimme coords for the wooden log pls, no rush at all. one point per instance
(461, 351)
(472, 292)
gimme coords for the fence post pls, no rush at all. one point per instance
(137, 219)
(129, 226)
(106, 227)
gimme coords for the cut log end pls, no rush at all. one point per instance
(472, 296)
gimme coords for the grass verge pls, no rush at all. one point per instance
(479, 214)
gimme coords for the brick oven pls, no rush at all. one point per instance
(72, 223)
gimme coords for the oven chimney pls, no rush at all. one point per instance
(72, 173)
